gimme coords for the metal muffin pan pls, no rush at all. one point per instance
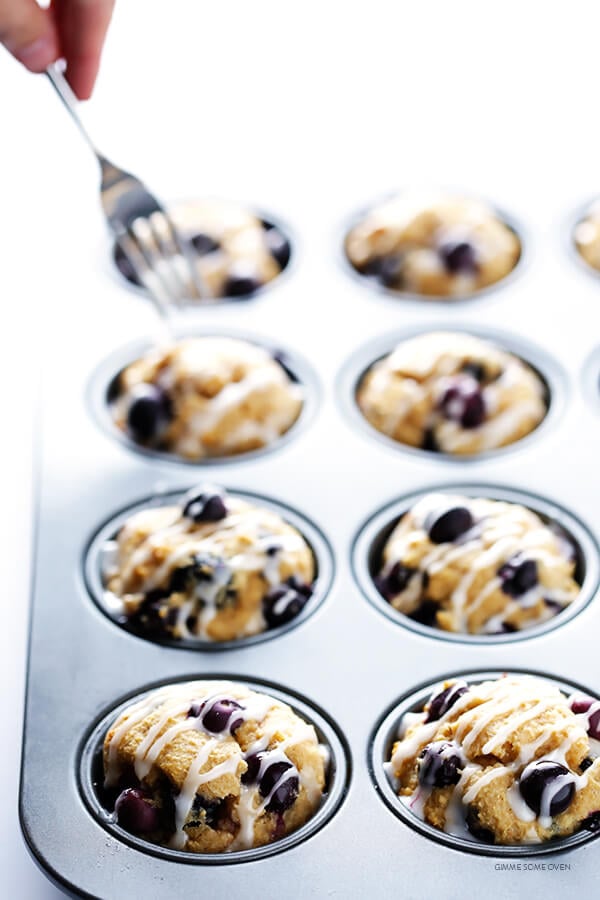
(371, 539)
(347, 659)
(317, 542)
(338, 778)
(386, 734)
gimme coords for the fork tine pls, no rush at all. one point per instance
(173, 263)
(150, 246)
(145, 273)
(189, 256)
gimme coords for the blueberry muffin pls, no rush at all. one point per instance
(477, 566)
(214, 567)
(211, 767)
(205, 397)
(507, 761)
(452, 393)
(587, 236)
(437, 246)
(236, 252)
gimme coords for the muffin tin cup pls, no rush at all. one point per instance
(317, 542)
(337, 778)
(548, 370)
(370, 541)
(380, 748)
(107, 263)
(102, 379)
(380, 291)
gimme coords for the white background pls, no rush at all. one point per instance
(308, 109)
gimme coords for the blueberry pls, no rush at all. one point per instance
(134, 812)
(124, 266)
(547, 787)
(445, 527)
(477, 829)
(219, 717)
(463, 402)
(204, 812)
(426, 613)
(253, 761)
(592, 822)
(240, 285)
(458, 257)
(273, 549)
(439, 765)
(390, 271)
(518, 577)
(475, 370)
(445, 700)
(581, 704)
(284, 796)
(284, 603)
(204, 244)
(429, 441)
(584, 705)
(279, 247)
(149, 412)
(372, 267)
(586, 763)
(395, 581)
(150, 616)
(181, 579)
(204, 504)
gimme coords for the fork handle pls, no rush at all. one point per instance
(63, 89)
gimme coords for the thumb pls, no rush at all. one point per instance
(28, 32)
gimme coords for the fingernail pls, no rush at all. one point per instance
(38, 55)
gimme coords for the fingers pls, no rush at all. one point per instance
(82, 26)
(28, 32)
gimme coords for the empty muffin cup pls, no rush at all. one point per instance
(437, 246)
(237, 252)
(496, 763)
(476, 563)
(208, 569)
(214, 770)
(450, 393)
(203, 398)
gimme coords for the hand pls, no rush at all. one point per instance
(73, 29)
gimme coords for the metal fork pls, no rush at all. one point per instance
(161, 258)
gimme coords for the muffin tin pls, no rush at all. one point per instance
(345, 664)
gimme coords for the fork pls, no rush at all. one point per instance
(161, 258)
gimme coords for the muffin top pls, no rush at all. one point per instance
(586, 236)
(212, 766)
(204, 397)
(477, 566)
(509, 761)
(236, 252)
(213, 567)
(452, 392)
(437, 245)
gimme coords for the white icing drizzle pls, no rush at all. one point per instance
(507, 705)
(502, 531)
